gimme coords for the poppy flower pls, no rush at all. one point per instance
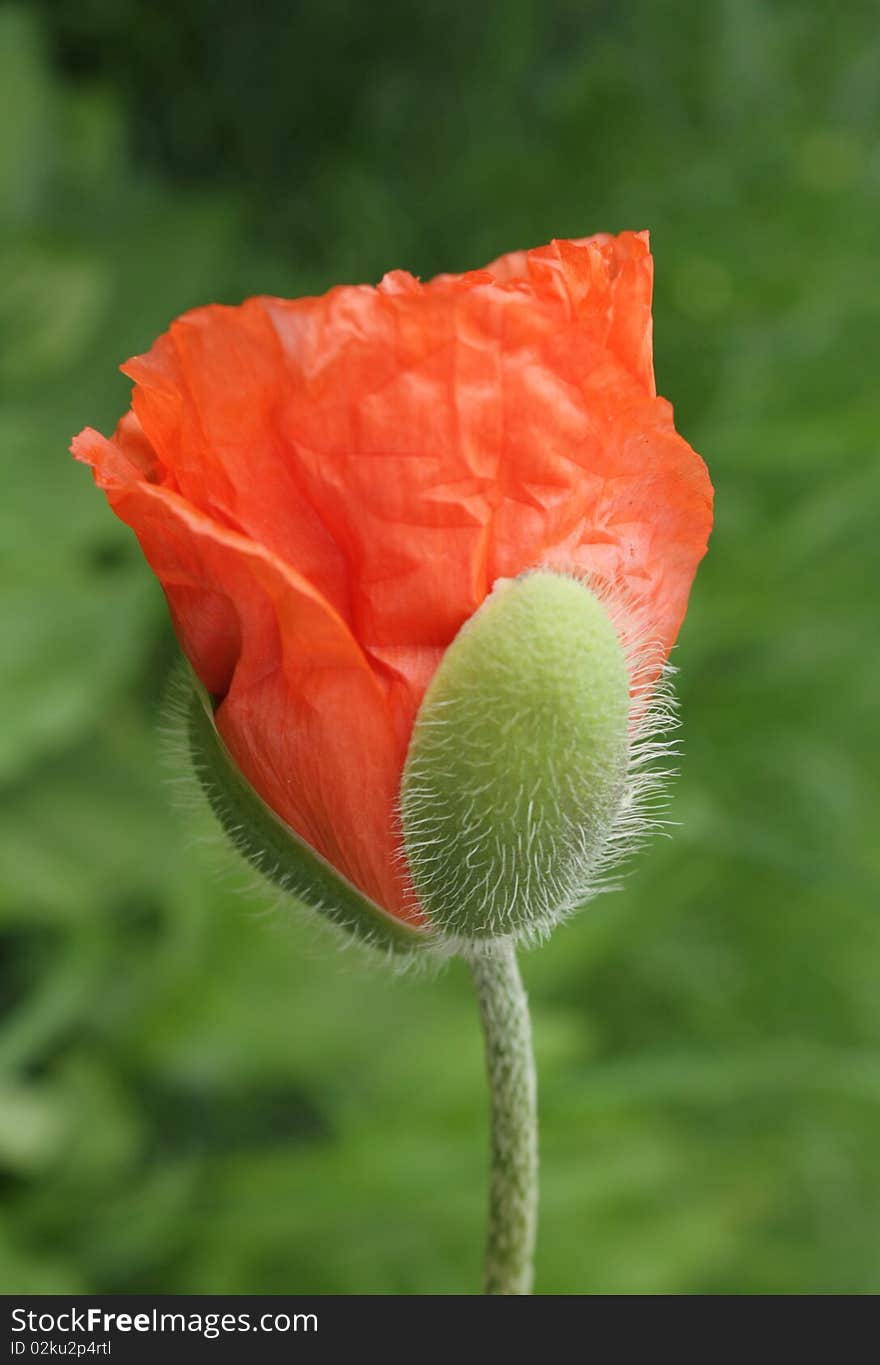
(328, 489)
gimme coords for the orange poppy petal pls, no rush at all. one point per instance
(208, 397)
(260, 636)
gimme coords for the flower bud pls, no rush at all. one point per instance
(327, 489)
(517, 767)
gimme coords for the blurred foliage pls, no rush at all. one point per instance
(192, 1097)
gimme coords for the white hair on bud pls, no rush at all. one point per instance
(587, 859)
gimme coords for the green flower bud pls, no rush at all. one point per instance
(517, 773)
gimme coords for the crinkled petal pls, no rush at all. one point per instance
(287, 668)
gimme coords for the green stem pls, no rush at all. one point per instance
(510, 1067)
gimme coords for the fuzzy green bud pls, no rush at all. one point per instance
(517, 766)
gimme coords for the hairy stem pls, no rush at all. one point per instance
(510, 1067)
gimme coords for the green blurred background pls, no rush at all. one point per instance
(194, 1096)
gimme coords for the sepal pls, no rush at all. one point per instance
(278, 853)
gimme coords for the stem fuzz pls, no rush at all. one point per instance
(510, 1067)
